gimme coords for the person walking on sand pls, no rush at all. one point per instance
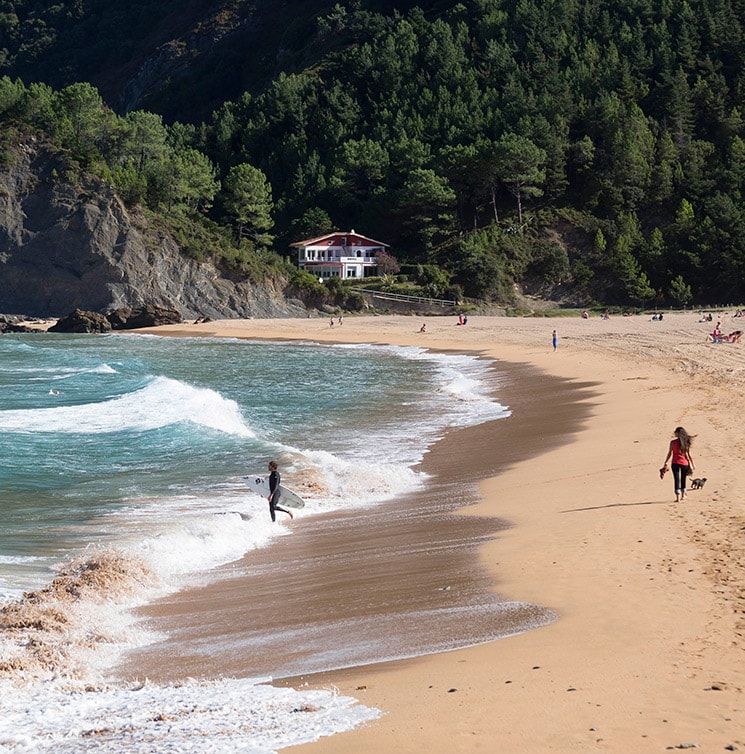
(275, 494)
(554, 340)
(682, 462)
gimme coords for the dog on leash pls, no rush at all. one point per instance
(698, 483)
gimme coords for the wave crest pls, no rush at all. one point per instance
(161, 403)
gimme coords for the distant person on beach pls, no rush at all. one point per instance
(682, 462)
(554, 340)
(275, 494)
(423, 328)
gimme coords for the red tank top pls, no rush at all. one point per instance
(678, 456)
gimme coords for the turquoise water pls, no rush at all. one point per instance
(124, 454)
(92, 427)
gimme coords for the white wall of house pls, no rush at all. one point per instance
(348, 271)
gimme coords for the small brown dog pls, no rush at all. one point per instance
(698, 483)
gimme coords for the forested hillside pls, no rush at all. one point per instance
(589, 146)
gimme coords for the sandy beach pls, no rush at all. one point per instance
(647, 651)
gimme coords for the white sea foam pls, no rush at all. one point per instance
(183, 536)
(161, 403)
(192, 718)
(42, 373)
(329, 482)
(466, 379)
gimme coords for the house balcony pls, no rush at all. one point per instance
(343, 260)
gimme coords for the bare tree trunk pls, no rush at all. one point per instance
(515, 189)
(494, 204)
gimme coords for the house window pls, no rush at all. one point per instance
(352, 272)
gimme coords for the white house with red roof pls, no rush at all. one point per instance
(340, 254)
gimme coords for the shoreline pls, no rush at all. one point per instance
(647, 651)
(363, 554)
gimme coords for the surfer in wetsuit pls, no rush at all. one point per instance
(274, 492)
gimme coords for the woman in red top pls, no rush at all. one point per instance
(682, 463)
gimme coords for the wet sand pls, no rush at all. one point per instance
(647, 653)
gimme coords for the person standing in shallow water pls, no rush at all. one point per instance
(682, 462)
(275, 494)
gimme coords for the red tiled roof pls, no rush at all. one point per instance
(334, 239)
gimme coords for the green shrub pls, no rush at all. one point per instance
(354, 302)
(550, 262)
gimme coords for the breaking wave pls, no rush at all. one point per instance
(161, 403)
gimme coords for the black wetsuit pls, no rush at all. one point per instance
(275, 495)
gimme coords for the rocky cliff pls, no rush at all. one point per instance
(65, 246)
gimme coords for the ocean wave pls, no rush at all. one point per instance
(193, 717)
(58, 631)
(81, 621)
(61, 373)
(66, 374)
(163, 402)
(333, 482)
(181, 537)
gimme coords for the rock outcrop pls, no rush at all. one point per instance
(147, 316)
(82, 322)
(65, 247)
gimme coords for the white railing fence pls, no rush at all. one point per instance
(403, 297)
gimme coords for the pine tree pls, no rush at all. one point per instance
(248, 202)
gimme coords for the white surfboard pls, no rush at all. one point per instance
(260, 485)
